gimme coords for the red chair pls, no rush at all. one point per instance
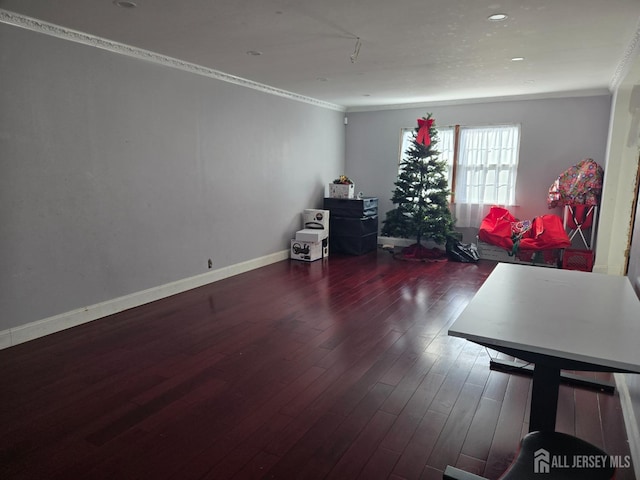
(578, 218)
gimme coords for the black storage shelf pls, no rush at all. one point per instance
(353, 225)
(352, 207)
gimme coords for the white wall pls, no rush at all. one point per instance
(121, 175)
(616, 229)
(556, 134)
(621, 171)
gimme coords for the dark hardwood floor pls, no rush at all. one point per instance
(337, 369)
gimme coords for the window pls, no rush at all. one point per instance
(444, 145)
(487, 165)
(482, 172)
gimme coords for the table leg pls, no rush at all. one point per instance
(566, 378)
(544, 398)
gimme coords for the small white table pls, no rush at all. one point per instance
(556, 319)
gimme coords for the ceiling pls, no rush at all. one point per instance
(408, 52)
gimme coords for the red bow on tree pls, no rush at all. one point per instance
(423, 131)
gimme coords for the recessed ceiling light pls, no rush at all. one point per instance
(125, 3)
(498, 17)
(517, 59)
(322, 79)
(254, 53)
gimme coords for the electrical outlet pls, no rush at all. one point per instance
(210, 263)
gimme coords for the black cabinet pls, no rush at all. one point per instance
(352, 207)
(353, 225)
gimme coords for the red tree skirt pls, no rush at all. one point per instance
(422, 253)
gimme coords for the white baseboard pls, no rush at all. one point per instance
(630, 421)
(403, 242)
(56, 323)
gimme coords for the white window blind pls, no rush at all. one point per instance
(487, 165)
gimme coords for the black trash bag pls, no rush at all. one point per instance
(462, 252)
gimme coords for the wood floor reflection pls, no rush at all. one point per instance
(337, 369)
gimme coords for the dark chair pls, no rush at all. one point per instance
(550, 456)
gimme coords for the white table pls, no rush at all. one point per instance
(556, 319)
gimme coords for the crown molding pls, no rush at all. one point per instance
(593, 92)
(627, 60)
(75, 36)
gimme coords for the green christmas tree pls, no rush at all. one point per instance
(421, 193)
